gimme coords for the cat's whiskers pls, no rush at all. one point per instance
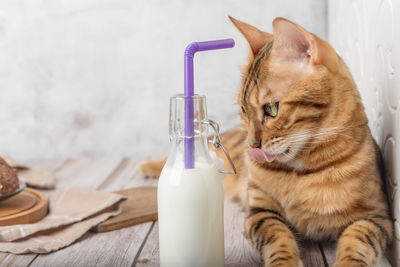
(324, 132)
(307, 139)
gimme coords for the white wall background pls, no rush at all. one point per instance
(366, 35)
(93, 77)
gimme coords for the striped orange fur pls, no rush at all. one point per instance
(324, 181)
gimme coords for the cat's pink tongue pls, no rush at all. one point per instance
(259, 155)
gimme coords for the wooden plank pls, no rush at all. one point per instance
(125, 177)
(51, 164)
(238, 250)
(329, 250)
(8, 259)
(116, 248)
(88, 173)
(139, 207)
(311, 254)
(150, 255)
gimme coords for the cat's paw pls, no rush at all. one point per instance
(150, 168)
(350, 263)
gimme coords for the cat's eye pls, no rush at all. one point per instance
(271, 110)
(244, 111)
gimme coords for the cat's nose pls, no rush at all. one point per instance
(255, 144)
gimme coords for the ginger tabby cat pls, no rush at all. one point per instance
(312, 166)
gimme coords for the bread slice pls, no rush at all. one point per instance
(8, 178)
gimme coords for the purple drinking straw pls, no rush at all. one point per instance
(191, 49)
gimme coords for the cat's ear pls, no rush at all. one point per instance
(292, 42)
(256, 38)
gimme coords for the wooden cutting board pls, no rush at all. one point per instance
(29, 206)
(140, 207)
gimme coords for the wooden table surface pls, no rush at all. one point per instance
(137, 245)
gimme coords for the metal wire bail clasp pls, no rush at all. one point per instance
(216, 141)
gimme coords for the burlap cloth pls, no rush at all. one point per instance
(72, 212)
(43, 179)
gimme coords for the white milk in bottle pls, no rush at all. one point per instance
(190, 201)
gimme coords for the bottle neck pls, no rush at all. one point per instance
(195, 145)
(201, 153)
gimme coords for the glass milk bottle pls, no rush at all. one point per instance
(190, 200)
